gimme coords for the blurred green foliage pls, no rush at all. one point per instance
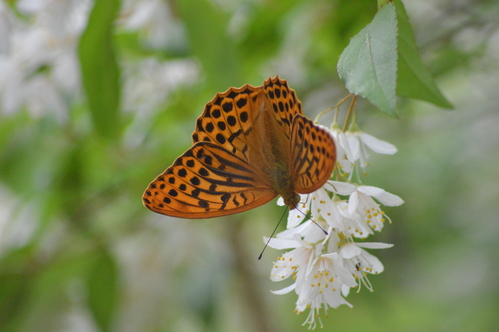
(79, 252)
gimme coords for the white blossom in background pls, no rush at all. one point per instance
(17, 224)
(154, 20)
(40, 66)
(149, 81)
(325, 266)
(8, 23)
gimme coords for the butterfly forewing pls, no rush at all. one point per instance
(227, 120)
(206, 181)
(313, 155)
(284, 103)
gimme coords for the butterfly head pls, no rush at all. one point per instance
(292, 200)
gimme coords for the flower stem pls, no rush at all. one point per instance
(333, 107)
(350, 114)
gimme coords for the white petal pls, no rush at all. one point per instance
(345, 276)
(332, 215)
(314, 234)
(354, 143)
(290, 233)
(280, 201)
(285, 290)
(328, 209)
(303, 243)
(345, 290)
(353, 202)
(341, 188)
(389, 199)
(378, 145)
(371, 191)
(350, 250)
(381, 195)
(346, 146)
(373, 245)
(295, 217)
(373, 261)
(281, 244)
(332, 255)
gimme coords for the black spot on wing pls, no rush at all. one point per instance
(241, 102)
(227, 107)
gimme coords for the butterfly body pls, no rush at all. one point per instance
(250, 145)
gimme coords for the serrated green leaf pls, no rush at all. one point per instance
(103, 290)
(100, 72)
(414, 79)
(368, 65)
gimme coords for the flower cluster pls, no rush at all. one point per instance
(326, 232)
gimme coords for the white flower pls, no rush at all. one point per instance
(8, 23)
(361, 203)
(40, 70)
(63, 18)
(359, 262)
(325, 274)
(154, 20)
(344, 155)
(149, 83)
(358, 140)
(319, 205)
(288, 264)
(319, 287)
(362, 213)
(352, 226)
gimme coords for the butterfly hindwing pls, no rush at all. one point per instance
(313, 155)
(206, 181)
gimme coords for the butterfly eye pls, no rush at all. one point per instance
(296, 200)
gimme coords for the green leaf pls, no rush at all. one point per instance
(368, 65)
(103, 290)
(207, 30)
(100, 72)
(35, 291)
(414, 80)
(16, 283)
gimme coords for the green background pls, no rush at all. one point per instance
(79, 252)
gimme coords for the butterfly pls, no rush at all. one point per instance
(250, 145)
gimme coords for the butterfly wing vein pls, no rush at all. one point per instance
(204, 182)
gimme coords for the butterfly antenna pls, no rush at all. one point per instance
(273, 232)
(325, 232)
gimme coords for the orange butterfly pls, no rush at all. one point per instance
(250, 145)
